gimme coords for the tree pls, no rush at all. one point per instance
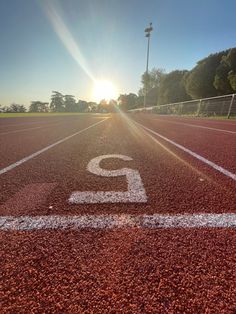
(112, 105)
(127, 101)
(221, 80)
(70, 103)
(225, 72)
(57, 102)
(199, 81)
(15, 108)
(82, 106)
(230, 60)
(38, 106)
(151, 80)
(232, 80)
(139, 102)
(172, 88)
(4, 108)
(93, 106)
(103, 106)
(152, 96)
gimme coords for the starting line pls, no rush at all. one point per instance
(156, 221)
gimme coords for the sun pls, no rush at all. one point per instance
(104, 90)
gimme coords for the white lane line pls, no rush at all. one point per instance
(156, 221)
(38, 127)
(205, 127)
(223, 121)
(46, 125)
(18, 163)
(190, 152)
(22, 130)
(198, 126)
(27, 123)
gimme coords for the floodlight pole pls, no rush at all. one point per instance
(148, 35)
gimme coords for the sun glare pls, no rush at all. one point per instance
(104, 90)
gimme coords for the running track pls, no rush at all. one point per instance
(163, 242)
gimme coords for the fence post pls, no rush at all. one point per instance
(199, 107)
(180, 108)
(222, 107)
(230, 106)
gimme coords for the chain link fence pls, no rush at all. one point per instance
(206, 107)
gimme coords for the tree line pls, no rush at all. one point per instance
(62, 103)
(212, 76)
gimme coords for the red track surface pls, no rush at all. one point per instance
(127, 270)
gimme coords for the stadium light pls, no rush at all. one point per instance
(147, 31)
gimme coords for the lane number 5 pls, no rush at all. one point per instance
(134, 194)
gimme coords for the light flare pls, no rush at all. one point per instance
(141, 136)
(65, 36)
(104, 90)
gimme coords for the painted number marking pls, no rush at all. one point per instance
(135, 193)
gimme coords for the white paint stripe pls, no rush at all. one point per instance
(180, 118)
(27, 223)
(205, 127)
(107, 197)
(22, 130)
(206, 161)
(38, 127)
(197, 126)
(17, 124)
(26, 123)
(18, 163)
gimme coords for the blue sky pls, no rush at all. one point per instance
(109, 39)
